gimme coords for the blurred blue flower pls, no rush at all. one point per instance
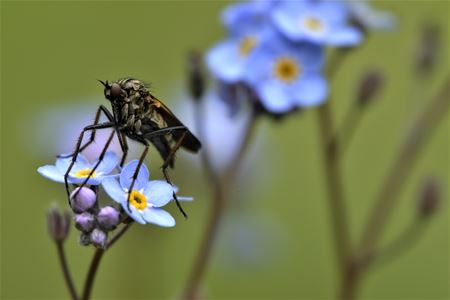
(321, 22)
(81, 169)
(146, 197)
(247, 23)
(286, 75)
(227, 60)
(247, 16)
(364, 15)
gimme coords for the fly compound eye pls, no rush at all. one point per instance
(115, 91)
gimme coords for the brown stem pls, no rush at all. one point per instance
(335, 188)
(402, 166)
(220, 195)
(347, 130)
(400, 245)
(204, 253)
(95, 262)
(206, 161)
(330, 145)
(66, 271)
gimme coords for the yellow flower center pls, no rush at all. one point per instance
(138, 200)
(83, 173)
(286, 69)
(246, 45)
(313, 24)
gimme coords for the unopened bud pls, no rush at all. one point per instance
(85, 239)
(99, 238)
(429, 198)
(369, 86)
(427, 49)
(108, 217)
(82, 199)
(58, 223)
(195, 75)
(84, 222)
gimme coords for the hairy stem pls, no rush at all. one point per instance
(66, 271)
(95, 262)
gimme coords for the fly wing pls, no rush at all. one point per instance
(190, 142)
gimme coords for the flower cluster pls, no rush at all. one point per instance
(276, 49)
(142, 204)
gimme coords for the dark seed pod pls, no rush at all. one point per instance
(58, 223)
(429, 198)
(195, 75)
(369, 86)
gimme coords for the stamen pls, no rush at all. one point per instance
(286, 69)
(83, 173)
(246, 45)
(138, 200)
(313, 24)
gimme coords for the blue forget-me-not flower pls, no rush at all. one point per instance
(146, 198)
(286, 75)
(368, 18)
(320, 22)
(81, 169)
(246, 23)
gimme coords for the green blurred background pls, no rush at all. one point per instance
(52, 53)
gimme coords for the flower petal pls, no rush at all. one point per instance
(183, 198)
(81, 163)
(310, 91)
(274, 98)
(345, 36)
(51, 172)
(112, 187)
(225, 62)
(80, 180)
(159, 217)
(159, 192)
(126, 176)
(108, 163)
(133, 213)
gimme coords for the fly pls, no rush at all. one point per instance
(138, 115)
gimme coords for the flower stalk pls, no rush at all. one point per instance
(221, 187)
(66, 271)
(402, 166)
(95, 262)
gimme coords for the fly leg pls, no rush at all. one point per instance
(144, 154)
(171, 155)
(123, 145)
(136, 173)
(77, 151)
(110, 118)
(165, 166)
